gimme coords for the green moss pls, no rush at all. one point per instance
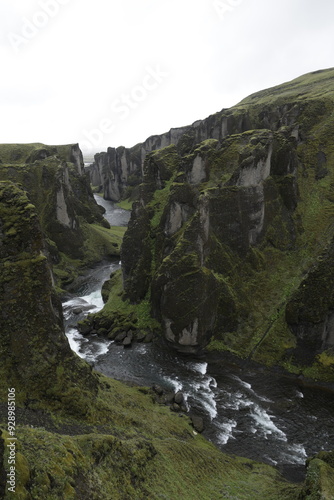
(100, 241)
(326, 358)
(125, 204)
(119, 312)
(158, 203)
(319, 481)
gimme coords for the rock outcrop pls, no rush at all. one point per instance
(36, 358)
(54, 178)
(119, 171)
(319, 482)
(230, 240)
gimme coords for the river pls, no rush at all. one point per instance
(248, 412)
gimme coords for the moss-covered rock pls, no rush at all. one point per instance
(35, 354)
(319, 482)
(56, 184)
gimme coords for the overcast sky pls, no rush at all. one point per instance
(111, 72)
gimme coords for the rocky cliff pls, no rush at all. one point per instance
(119, 171)
(72, 222)
(35, 356)
(231, 241)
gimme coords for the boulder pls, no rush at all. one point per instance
(130, 335)
(148, 338)
(168, 398)
(127, 342)
(77, 310)
(84, 327)
(102, 332)
(197, 423)
(112, 335)
(120, 337)
(179, 398)
(158, 389)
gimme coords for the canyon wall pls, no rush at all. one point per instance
(73, 225)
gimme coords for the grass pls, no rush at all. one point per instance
(318, 84)
(124, 310)
(125, 204)
(130, 447)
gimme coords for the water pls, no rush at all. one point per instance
(87, 298)
(248, 413)
(114, 215)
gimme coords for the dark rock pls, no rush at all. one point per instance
(168, 398)
(175, 407)
(140, 337)
(179, 398)
(102, 332)
(84, 328)
(112, 335)
(197, 423)
(321, 171)
(120, 337)
(148, 338)
(127, 342)
(127, 327)
(130, 335)
(158, 389)
(78, 310)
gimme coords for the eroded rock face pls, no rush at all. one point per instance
(57, 185)
(36, 357)
(231, 226)
(310, 311)
(117, 171)
(190, 292)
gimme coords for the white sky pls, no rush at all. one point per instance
(113, 72)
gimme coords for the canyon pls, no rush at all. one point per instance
(228, 254)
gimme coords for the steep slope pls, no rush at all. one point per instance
(231, 241)
(54, 178)
(34, 349)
